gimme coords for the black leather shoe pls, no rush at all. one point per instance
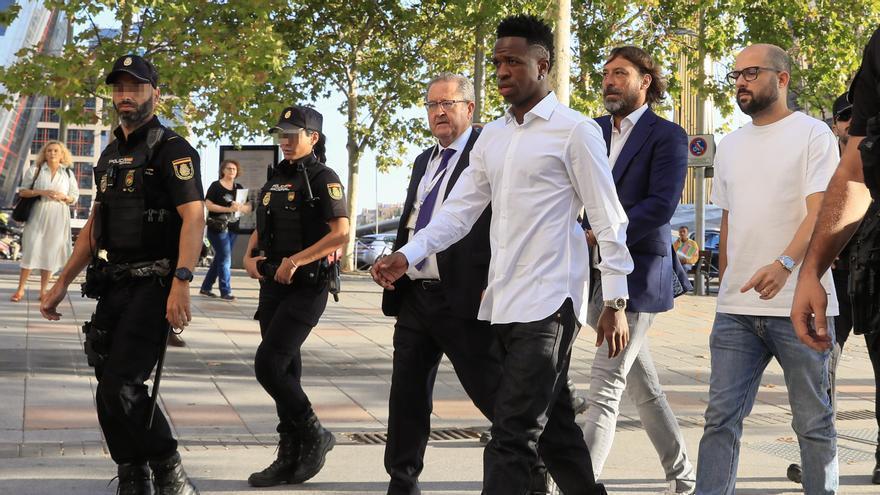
(169, 478)
(794, 473)
(315, 443)
(176, 340)
(875, 477)
(283, 467)
(134, 479)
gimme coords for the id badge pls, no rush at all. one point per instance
(413, 216)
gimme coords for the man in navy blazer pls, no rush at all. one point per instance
(648, 156)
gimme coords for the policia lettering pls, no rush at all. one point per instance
(143, 176)
(296, 209)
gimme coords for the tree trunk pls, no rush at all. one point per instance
(354, 155)
(479, 71)
(561, 73)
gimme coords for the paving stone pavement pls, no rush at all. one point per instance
(50, 441)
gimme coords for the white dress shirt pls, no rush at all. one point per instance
(537, 175)
(430, 269)
(619, 137)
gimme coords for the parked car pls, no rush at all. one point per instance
(370, 247)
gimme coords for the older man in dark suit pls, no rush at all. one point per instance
(436, 302)
(648, 157)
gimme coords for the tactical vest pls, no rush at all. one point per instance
(136, 219)
(289, 219)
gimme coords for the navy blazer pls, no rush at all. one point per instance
(649, 176)
(463, 266)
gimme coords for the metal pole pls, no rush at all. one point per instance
(700, 219)
(700, 172)
(377, 197)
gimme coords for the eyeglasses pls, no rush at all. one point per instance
(844, 116)
(446, 105)
(749, 73)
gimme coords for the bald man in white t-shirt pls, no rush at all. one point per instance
(770, 176)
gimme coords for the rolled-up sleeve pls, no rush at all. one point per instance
(591, 176)
(72, 186)
(464, 205)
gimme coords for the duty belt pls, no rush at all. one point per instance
(158, 268)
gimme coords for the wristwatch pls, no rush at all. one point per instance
(787, 262)
(617, 303)
(183, 274)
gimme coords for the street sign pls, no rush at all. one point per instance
(701, 150)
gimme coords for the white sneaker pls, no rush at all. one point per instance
(672, 489)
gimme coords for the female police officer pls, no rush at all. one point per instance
(301, 218)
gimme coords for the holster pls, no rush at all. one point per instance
(97, 343)
(97, 281)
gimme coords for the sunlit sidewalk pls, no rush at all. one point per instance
(50, 441)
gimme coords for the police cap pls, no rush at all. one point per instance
(298, 117)
(842, 106)
(137, 67)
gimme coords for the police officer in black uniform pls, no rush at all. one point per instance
(148, 217)
(301, 219)
(850, 210)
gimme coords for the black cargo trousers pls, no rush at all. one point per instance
(132, 314)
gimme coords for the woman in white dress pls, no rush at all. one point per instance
(46, 241)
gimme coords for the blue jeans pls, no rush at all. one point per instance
(222, 243)
(741, 348)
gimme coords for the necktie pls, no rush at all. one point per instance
(427, 207)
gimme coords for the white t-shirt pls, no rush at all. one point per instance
(763, 175)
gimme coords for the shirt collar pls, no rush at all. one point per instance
(459, 143)
(631, 119)
(138, 134)
(544, 109)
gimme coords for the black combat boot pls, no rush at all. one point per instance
(169, 478)
(875, 474)
(315, 442)
(134, 479)
(283, 468)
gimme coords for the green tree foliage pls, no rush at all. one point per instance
(221, 65)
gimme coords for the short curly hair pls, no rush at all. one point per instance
(533, 29)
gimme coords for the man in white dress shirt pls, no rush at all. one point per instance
(538, 165)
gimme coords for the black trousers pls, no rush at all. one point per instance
(287, 314)
(425, 330)
(843, 327)
(133, 312)
(533, 410)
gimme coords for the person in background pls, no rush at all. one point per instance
(221, 204)
(46, 240)
(687, 249)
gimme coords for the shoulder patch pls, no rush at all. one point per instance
(334, 189)
(183, 168)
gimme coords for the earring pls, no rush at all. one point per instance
(540, 77)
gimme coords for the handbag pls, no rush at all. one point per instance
(22, 208)
(217, 225)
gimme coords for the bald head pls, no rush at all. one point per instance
(767, 55)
